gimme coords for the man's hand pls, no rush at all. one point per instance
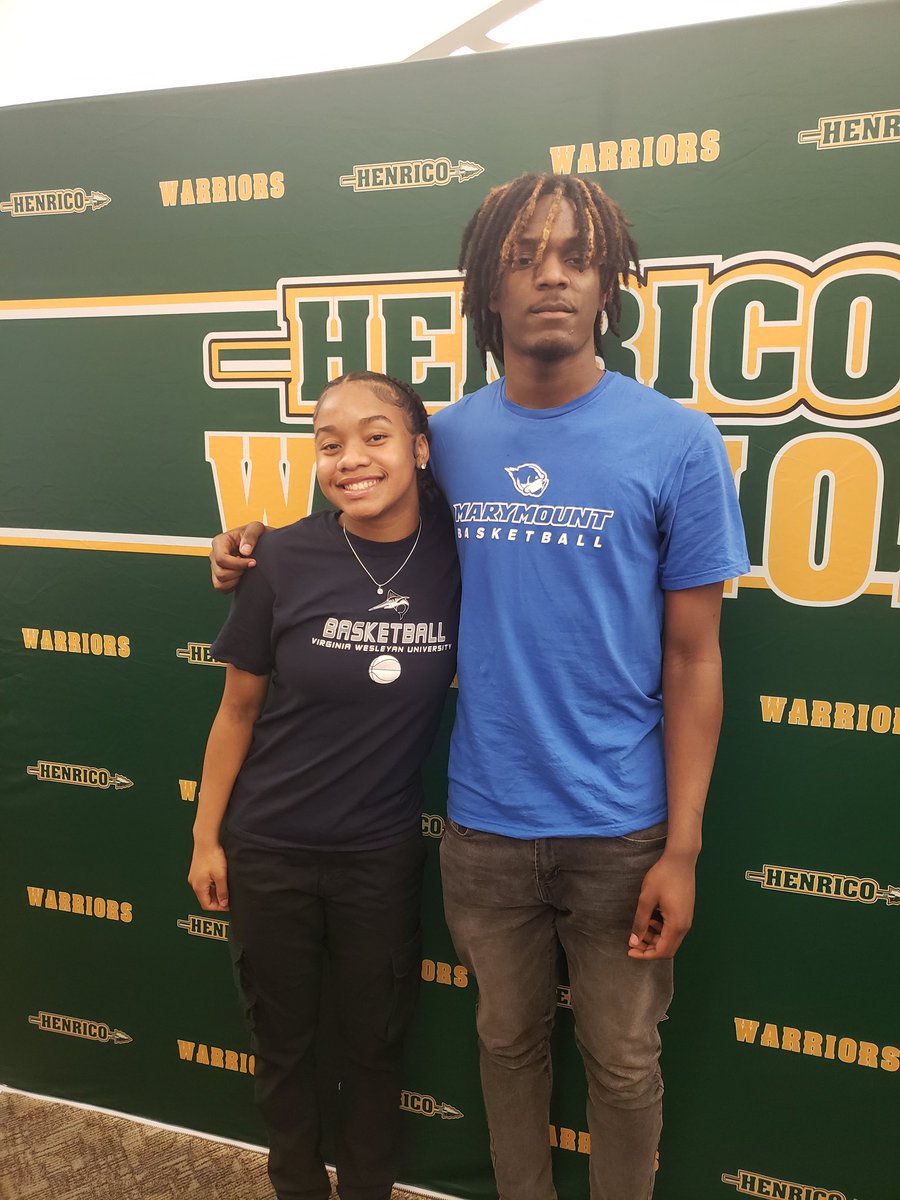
(230, 555)
(208, 877)
(665, 908)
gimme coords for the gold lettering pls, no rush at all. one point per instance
(566, 1138)
(665, 150)
(709, 145)
(881, 718)
(261, 477)
(744, 1030)
(849, 538)
(847, 1050)
(812, 1043)
(772, 707)
(868, 1054)
(630, 154)
(609, 156)
(687, 148)
(798, 714)
(790, 1039)
(587, 161)
(168, 190)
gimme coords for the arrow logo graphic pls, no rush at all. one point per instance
(92, 1031)
(53, 202)
(81, 776)
(447, 1112)
(410, 173)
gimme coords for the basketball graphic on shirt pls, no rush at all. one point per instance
(384, 669)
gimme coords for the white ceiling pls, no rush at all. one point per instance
(52, 49)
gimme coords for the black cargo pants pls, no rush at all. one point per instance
(296, 914)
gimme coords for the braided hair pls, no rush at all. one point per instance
(403, 396)
(489, 244)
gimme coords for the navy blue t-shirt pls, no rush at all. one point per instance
(358, 682)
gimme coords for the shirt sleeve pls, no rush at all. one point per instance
(437, 425)
(245, 639)
(701, 531)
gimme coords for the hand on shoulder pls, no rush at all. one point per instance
(231, 555)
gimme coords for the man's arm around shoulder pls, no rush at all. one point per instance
(232, 554)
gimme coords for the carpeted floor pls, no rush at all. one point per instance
(51, 1151)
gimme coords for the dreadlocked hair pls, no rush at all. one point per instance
(402, 396)
(490, 240)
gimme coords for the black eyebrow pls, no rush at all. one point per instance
(364, 421)
(571, 243)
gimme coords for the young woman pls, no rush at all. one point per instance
(340, 646)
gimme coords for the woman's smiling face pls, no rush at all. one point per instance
(366, 460)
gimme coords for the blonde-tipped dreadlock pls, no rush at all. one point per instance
(490, 241)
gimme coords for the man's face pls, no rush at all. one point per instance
(549, 311)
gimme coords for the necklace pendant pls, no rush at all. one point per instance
(379, 587)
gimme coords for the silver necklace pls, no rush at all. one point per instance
(379, 587)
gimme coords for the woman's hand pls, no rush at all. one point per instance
(208, 877)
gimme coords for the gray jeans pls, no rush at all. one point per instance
(509, 903)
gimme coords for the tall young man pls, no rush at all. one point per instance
(596, 521)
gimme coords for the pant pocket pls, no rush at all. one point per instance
(647, 837)
(243, 982)
(406, 966)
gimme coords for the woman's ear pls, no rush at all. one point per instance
(421, 451)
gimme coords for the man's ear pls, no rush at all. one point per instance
(602, 316)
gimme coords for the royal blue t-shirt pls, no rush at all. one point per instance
(571, 522)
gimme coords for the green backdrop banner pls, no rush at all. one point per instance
(179, 274)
